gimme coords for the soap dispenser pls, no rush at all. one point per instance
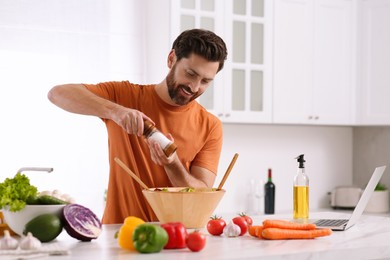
(301, 191)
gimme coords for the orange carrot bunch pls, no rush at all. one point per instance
(282, 229)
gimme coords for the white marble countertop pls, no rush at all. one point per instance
(368, 239)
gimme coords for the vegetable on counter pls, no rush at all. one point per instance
(196, 241)
(16, 191)
(278, 233)
(177, 234)
(216, 225)
(241, 222)
(81, 223)
(45, 227)
(149, 238)
(125, 234)
(232, 230)
(30, 242)
(256, 231)
(247, 218)
(282, 229)
(8, 242)
(284, 224)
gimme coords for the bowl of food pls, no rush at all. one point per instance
(192, 207)
(17, 221)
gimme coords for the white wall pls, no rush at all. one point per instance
(44, 43)
(328, 155)
(371, 149)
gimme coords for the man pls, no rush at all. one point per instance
(195, 59)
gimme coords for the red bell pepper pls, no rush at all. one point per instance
(177, 234)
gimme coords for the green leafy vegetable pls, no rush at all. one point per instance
(15, 192)
(380, 187)
(188, 189)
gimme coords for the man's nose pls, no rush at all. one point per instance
(195, 86)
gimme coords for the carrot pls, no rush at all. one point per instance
(256, 231)
(252, 230)
(278, 233)
(284, 224)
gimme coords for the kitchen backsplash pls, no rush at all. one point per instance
(371, 148)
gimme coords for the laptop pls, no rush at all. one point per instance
(344, 224)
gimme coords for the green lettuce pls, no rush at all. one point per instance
(15, 192)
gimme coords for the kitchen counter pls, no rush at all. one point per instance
(368, 239)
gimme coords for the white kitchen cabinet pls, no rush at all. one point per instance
(373, 84)
(241, 92)
(313, 62)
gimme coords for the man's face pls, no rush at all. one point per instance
(189, 78)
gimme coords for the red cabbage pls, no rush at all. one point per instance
(81, 223)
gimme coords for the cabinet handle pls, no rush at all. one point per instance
(227, 115)
(316, 117)
(220, 115)
(310, 117)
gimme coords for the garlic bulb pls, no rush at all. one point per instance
(8, 242)
(30, 242)
(231, 230)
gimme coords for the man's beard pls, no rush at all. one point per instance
(174, 90)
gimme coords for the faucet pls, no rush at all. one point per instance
(35, 169)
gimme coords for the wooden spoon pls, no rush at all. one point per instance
(229, 169)
(132, 174)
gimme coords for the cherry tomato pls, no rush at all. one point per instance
(248, 219)
(196, 241)
(240, 221)
(216, 225)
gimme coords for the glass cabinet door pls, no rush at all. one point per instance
(241, 92)
(189, 14)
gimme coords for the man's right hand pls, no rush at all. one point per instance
(130, 119)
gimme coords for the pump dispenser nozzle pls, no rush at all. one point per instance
(301, 161)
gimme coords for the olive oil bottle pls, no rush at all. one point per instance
(301, 191)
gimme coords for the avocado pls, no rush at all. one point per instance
(45, 227)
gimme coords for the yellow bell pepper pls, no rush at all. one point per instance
(125, 234)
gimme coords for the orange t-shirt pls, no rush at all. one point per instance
(197, 133)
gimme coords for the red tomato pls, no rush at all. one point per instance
(240, 221)
(196, 241)
(216, 225)
(247, 219)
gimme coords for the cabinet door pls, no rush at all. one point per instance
(333, 67)
(189, 14)
(241, 92)
(313, 62)
(373, 106)
(248, 33)
(293, 47)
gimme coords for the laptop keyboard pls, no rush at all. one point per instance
(331, 222)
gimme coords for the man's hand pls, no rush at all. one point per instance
(157, 154)
(130, 119)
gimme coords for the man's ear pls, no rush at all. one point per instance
(171, 58)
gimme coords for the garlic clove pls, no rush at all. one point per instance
(8, 242)
(30, 242)
(232, 230)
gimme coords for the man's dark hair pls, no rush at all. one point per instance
(201, 42)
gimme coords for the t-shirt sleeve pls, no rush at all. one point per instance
(112, 90)
(208, 157)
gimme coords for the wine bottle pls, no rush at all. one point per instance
(269, 198)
